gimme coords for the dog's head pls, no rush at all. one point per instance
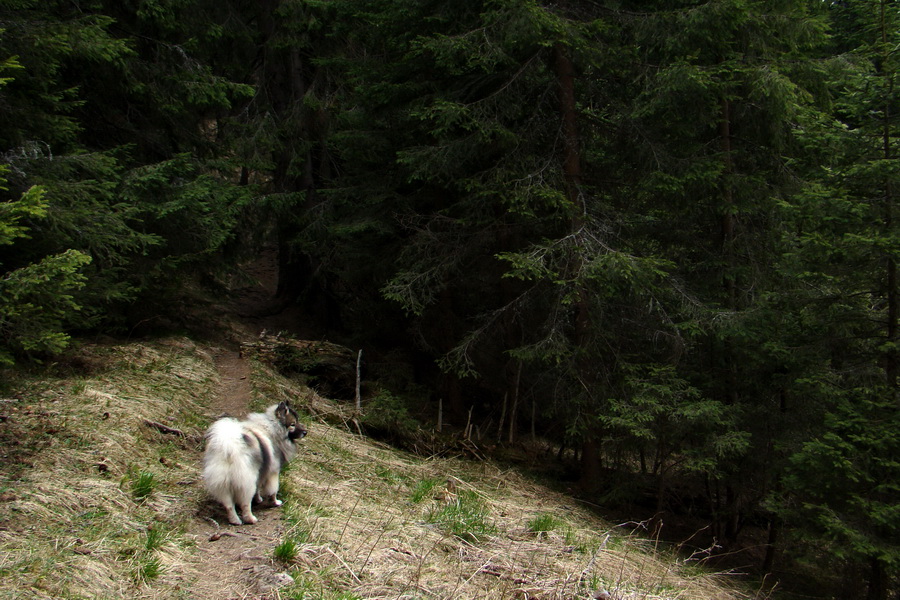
(288, 418)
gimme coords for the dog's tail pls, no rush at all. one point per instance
(228, 469)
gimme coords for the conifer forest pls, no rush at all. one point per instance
(660, 235)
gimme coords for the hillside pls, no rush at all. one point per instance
(659, 240)
(94, 503)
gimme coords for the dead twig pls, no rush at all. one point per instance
(164, 428)
(345, 565)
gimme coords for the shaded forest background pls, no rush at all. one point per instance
(661, 235)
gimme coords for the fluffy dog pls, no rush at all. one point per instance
(244, 458)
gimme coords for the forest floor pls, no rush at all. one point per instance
(94, 503)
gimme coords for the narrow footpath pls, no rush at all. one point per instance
(236, 562)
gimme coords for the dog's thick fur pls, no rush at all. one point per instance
(244, 458)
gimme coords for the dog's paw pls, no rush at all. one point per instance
(249, 519)
(276, 502)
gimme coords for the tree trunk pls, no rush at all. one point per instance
(661, 490)
(286, 77)
(277, 80)
(878, 580)
(853, 579)
(533, 419)
(572, 175)
(514, 408)
(565, 74)
(892, 359)
(769, 560)
(502, 418)
(727, 219)
(733, 516)
(729, 277)
(591, 467)
(450, 390)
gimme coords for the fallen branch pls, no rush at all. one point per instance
(491, 570)
(469, 446)
(164, 429)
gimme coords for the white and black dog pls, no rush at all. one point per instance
(244, 458)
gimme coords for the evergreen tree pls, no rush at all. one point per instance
(722, 92)
(666, 228)
(36, 302)
(840, 486)
(490, 178)
(142, 190)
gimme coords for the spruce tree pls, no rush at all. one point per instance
(113, 112)
(840, 488)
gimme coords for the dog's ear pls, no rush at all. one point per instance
(282, 410)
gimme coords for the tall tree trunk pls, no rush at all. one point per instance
(514, 408)
(729, 515)
(878, 580)
(565, 73)
(276, 80)
(444, 337)
(892, 359)
(565, 76)
(728, 208)
(287, 76)
(572, 174)
(591, 465)
(769, 560)
(729, 277)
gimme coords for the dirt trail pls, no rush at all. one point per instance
(236, 562)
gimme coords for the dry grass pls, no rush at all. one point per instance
(352, 501)
(364, 521)
(367, 536)
(71, 525)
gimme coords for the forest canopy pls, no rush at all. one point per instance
(660, 233)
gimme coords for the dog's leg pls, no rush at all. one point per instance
(232, 514)
(269, 489)
(247, 514)
(243, 499)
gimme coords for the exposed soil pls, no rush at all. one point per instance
(236, 562)
(234, 392)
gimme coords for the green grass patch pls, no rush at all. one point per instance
(287, 550)
(424, 490)
(466, 518)
(544, 523)
(156, 537)
(389, 475)
(148, 568)
(143, 483)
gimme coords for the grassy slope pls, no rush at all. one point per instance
(364, 520)
(75, 448)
